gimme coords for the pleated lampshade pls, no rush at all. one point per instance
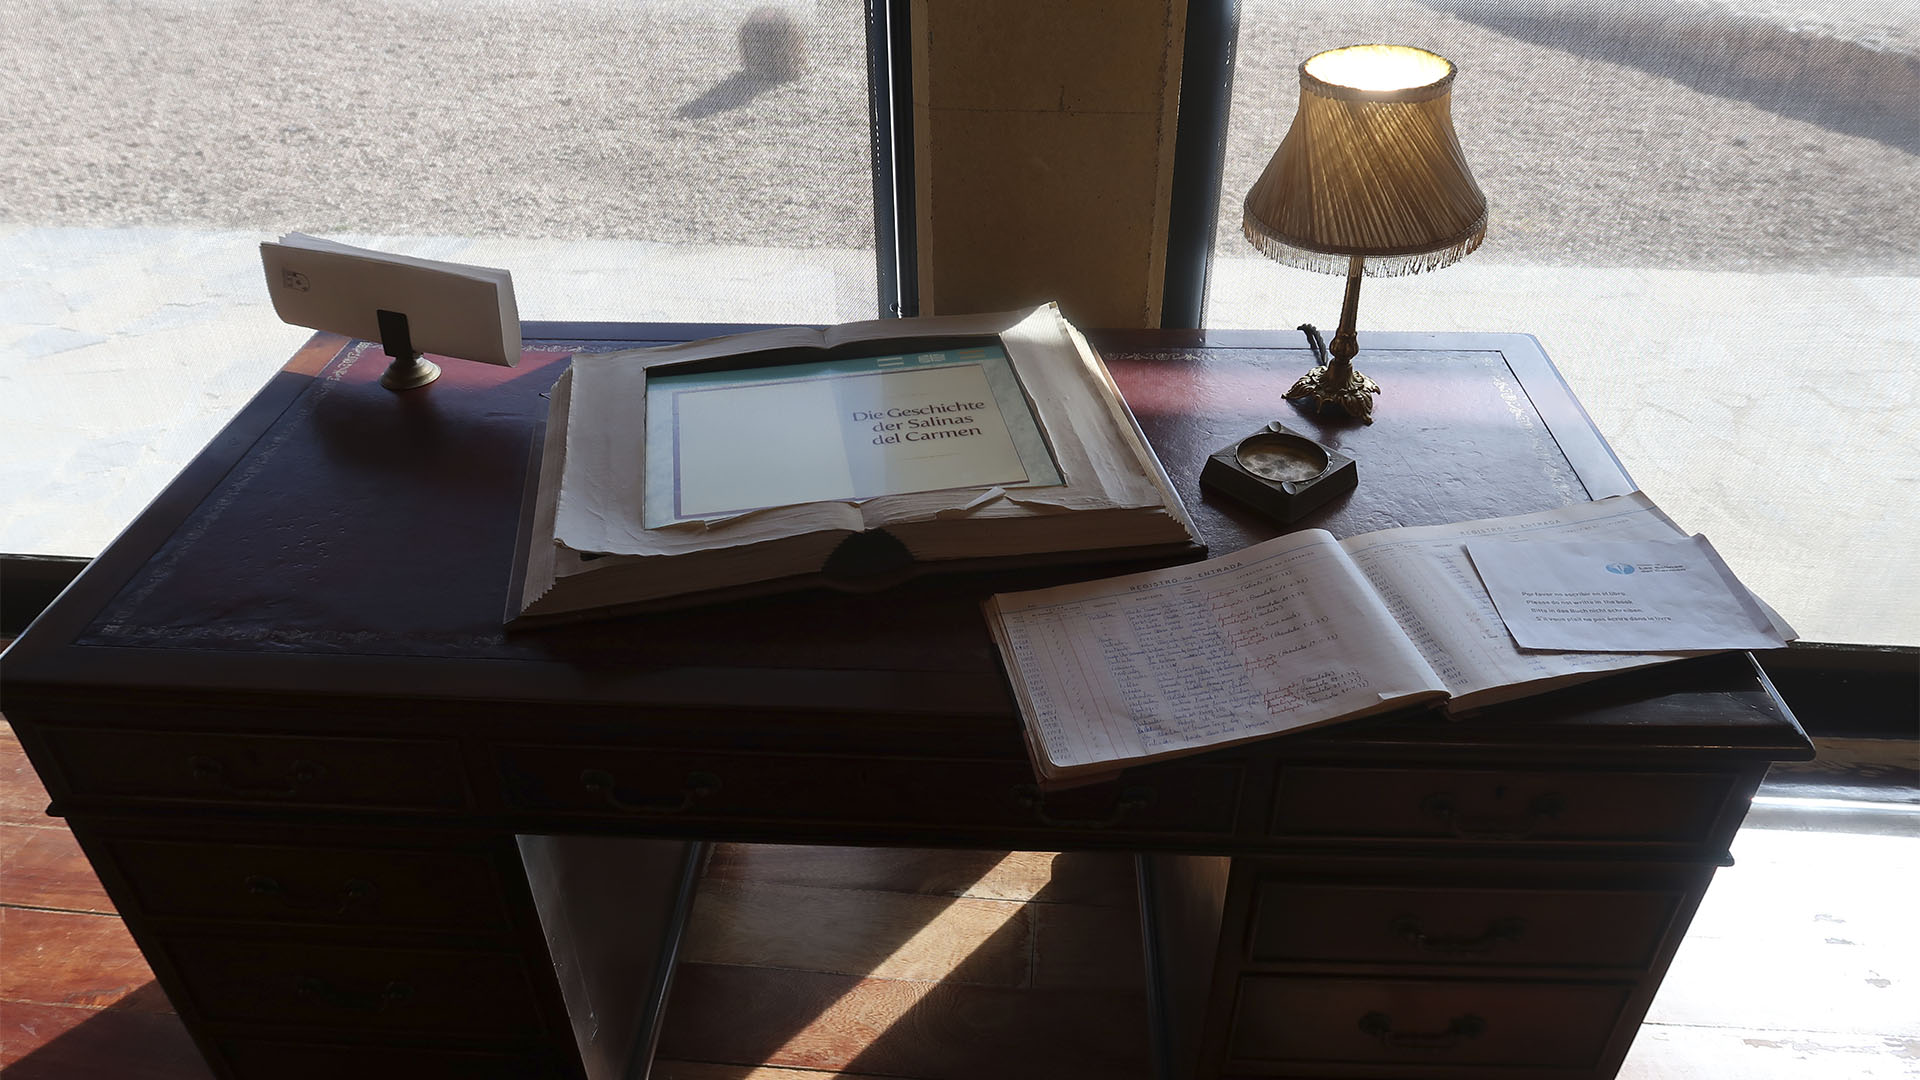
(1371, 167)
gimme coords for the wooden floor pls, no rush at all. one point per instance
(937, 965)
(806, 963)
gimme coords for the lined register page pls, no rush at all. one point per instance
(1279, 636)
(1430, 586)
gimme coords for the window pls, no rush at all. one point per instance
(683, 161)
(1705, 213)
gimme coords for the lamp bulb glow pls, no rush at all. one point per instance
(1378, 67)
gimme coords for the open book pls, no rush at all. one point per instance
(1284, 635)
(852, 457)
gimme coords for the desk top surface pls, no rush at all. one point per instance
(341, 540)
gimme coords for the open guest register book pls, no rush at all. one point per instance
(862, 454)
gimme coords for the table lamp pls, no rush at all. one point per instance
(1369, 180)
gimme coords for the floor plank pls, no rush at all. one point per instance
(1081, 946)
(42, 866)
(695, 1070)
(52, 1042)
(933, 1031)
(1663, 1052)
(1778, 944)
(885, 935)
(61, 958)
(1096, 878)
(23, 800)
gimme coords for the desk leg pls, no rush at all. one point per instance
(613, 910)
(1182, 899)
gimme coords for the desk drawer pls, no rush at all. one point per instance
(1188, 798)
(1280, 1021)
(261, 770)
(1499, 806)
(479, 995)
(1309, 922)
(455, 892)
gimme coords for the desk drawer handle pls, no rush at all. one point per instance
(317, 989)
(353, 892)
(1505, 928)
(1380, 1026)
(1492, 826)
(210, 770)
(1029, 797)
(699, 786)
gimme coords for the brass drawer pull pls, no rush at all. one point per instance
(699, 786)
(1442, 805)
(317, 989)
(1380, 1026)
(353, 892)
(211, 770)
(1505, 928)
(1029, 797)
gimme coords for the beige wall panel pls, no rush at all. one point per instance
(1044, 154)
(1042, 206)
(1068, 56)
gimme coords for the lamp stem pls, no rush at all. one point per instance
(1346, 342)
(1338, 384)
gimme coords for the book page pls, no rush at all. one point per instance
(727, 442)
(1430, 585)
(1279, 636)
(740, 448)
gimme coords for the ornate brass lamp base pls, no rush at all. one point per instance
(1335, 382)
(1339, 386)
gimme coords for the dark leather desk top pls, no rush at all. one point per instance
(339, 539)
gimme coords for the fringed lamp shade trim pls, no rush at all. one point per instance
(1378, 263)
(1372, 173)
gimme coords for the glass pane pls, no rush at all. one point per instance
(1705, 213)
(686, 160)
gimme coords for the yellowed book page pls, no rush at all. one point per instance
(1277, 637)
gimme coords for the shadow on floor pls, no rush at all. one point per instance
(1079, 1013)
(135, 1038)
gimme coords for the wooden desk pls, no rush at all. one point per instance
(313, 772)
